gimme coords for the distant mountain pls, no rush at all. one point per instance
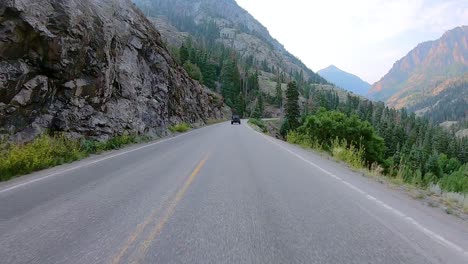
(418, 76)
(345, 80)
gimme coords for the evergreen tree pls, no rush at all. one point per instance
(193, 70)
(292, 105)
(184, 54)
(231, 84)
(240, 105)
(259, 107)
(433, 165)
(279, 94)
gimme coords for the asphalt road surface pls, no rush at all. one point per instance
(220, 194)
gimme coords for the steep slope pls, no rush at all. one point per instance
(92, 68)
(448, 102)
(345, 80)
(225, 22)
(416, 76)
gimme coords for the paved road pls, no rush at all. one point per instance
(220, 194)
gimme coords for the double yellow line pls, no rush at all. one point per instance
(143, 248)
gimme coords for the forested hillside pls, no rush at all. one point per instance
(402, 144)
(415, 78)
(230, 52)
(448, 103)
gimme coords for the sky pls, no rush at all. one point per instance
(363, 37)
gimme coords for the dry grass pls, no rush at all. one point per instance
(456, 200)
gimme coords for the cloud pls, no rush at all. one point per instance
(364, 37)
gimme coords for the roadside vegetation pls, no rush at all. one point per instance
(180, 128)
(376, 140)
(48, 151)
(260, 124)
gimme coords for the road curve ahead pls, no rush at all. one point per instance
(220, 194)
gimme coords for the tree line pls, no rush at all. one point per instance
(411, 145)
(402, 144)
(223, 70)
(449, 105)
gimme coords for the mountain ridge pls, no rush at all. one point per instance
(239, 29)
(414, 76)
(345, 80)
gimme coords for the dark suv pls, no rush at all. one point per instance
(235, 119)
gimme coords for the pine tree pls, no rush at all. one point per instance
(433, 166)
(231, 83)
(184, 54)
(258, 112)
(261, 106)
(292, 105)
(240, 105)
(279, 94)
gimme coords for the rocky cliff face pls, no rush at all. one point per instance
(417, 75)
(92, 68)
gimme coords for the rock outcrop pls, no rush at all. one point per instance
(94, 68)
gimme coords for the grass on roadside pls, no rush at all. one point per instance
(49, 151)
(339, 149)
(298, 139)
(258, 123)
(348, 153)
(454, 200)
(450, 191)
(180, 128)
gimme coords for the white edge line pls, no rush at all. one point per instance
(16, 186)
(438, 238)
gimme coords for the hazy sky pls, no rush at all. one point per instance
(364, 37)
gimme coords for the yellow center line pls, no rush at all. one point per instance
(133, 237)
(169, 212)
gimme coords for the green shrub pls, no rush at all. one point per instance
(43, 152)
(259, 123)
(457, 181)
(48, 151)
(193, 71)
(326, 126)
(92, 146)
(295, 138)
(180, 128)
(448, 165)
